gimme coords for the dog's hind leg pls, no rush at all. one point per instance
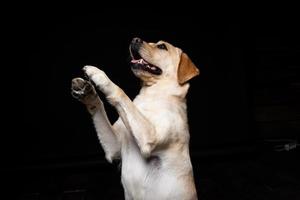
(85, 92)
(141, 129)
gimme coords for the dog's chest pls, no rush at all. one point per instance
(140, 175)
(163, 114)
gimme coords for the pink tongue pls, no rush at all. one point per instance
(141, 61)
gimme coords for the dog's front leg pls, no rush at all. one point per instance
(141, 129)
(85, 92)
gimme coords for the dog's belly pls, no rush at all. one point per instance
(149, 179)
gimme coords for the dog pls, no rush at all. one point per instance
(151, 136)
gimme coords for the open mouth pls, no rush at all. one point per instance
(137, 62)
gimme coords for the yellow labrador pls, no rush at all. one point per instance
(151, 135)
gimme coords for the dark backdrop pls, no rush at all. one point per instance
(248, 89)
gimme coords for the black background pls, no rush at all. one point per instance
(249, 73)
(248, 90)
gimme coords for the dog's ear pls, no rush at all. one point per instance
(186, 69)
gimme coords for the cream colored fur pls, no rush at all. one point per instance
(151, 137)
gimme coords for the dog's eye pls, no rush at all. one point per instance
(162, 46)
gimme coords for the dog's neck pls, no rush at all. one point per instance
(165, 88)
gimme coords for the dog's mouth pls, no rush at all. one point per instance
(139, 63)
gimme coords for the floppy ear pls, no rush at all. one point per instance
(186, 69)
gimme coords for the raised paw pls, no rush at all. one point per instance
(82, 90)
(91, 70)
(97, 76)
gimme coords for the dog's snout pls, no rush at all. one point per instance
(137, 40)
(135, 45)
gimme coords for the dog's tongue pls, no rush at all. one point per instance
(140, 61)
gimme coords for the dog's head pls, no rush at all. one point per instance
(152, 62)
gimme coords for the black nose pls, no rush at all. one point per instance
(136, 40)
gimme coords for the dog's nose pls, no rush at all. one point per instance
(136, 40)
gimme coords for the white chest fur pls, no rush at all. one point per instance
(157, 177)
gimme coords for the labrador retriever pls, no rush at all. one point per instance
(151, 136)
